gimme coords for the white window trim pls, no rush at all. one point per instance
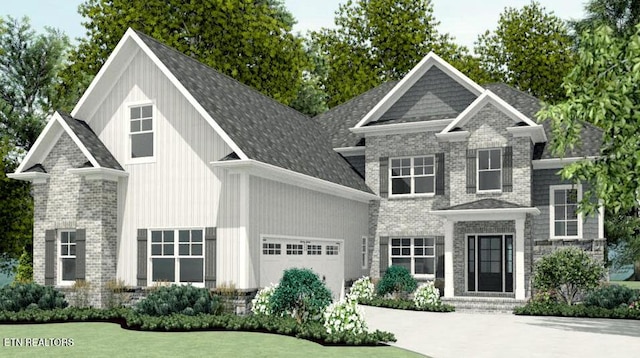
(175, 256)
(552, 212)
(60, 281)
(413, 257)
(365, 252)
(154, 122)
(412, 177)
(478, 190)
(475, 260)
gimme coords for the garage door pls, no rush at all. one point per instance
(324, 257)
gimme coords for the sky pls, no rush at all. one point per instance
(464, 19)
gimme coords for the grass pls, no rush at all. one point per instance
(108, 339)
(630, 284)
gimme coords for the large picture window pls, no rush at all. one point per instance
(565, 220)
(414, 175)
(416, 254)
(68, 255)
(177, 256)
(489, 169)
(141, 129)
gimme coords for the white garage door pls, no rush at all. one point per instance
(324, 257)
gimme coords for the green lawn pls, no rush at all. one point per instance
(108, 339)
(630, 284)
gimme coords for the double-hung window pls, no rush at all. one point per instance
(414, 175)
(177, 256)
(365, 251)
(67, 255)
(416, 254)
(141, 131)
(565, 220)
(489, 169)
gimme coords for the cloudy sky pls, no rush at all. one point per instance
(464, 19)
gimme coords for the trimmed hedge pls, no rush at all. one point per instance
(404, 304)
(22, 296)
(565, 310)
(128, 319)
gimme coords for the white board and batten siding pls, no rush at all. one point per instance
(179, 189)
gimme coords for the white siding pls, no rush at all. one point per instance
(179, 189)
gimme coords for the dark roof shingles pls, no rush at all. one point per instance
(91, 141)
(485, 204)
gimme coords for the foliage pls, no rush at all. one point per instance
(602, 90)
(345, 317)
(611, 296)
(396, 281)
(183, 299)
(362, 289)
(248, 40)
(565, 310)
(261, 304)
(427, 295)
(24, 271)
(405, 304)
(375, 41)
(568, 273)
(312, 98)
(21, 296)
(622, 231)
(116, 292)
(81, 290)
(301, 294)
(530, 49)
(620, 15)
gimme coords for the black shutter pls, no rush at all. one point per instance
(507, 169)
(471, 171)
(142, 257)
(439, 173)
(384, 254)
(439, 256)
(210, 257)
(384, 177)
(81, 254)
(49, 257)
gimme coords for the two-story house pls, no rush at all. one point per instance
(168, 171)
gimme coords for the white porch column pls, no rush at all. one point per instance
(448, 258)
(519, 259)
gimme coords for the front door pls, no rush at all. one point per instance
(490, 263)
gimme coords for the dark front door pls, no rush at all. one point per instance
(490, 263)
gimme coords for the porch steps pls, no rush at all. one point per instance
(484, 304)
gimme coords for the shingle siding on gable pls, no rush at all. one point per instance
(434, 96)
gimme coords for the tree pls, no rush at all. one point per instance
(249, 40)
(620, 15)
(530, 50)
(377, 41)
(312, 98)
(29, 66)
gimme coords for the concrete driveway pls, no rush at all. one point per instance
(461, 335)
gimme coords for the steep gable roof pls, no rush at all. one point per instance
(91, 141)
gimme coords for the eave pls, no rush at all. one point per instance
(557, 163)
(99, 173)
(33, 177)
(401, 128)
(486, 214)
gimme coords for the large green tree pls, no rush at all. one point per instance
(530, 49)
(620, 15)
(376, 41)
(249, 40)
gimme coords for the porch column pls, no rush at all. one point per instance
(519, 259)
(448, 258)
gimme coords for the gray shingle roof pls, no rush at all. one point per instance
(264, 129)
(91, 141)
(485, 204)
(339, 119)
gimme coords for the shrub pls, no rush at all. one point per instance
(24, 271)
(344, 317)
(404, 304)
(261, 304)
(21, 296)
(81, 290)
(611, 296)
(397, 281)
(566, 310)
(301, 294)
(427, 295)
(116, 293)
(362, 288)
(186, 300)
(568, 273)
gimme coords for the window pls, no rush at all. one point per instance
(184, 265)
(332, 250)
(67, 255)
(565, 220)
(489, 169)
(271, 249)
(294, 249)
(365, 251)
(141, 127)
(416, 175)
(416, 254)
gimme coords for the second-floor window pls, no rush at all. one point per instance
(565, 220)
(141, 131)
(489, 169)
(414, 175)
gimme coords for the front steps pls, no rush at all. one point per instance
(484, 304)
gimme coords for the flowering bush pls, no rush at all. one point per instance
(260, 304)
(427, 295)
(362, 288)
(635, 305)
(344, 317)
